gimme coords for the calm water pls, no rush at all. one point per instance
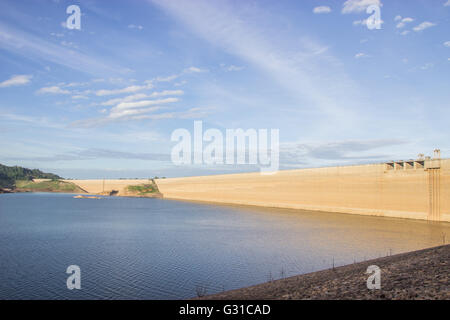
(131, 248)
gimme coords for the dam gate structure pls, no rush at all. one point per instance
(434, 187)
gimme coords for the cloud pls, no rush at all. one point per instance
(149, 83)
(143, 103)
(322, 9)
(363, 22)
(427, 66)
(301, 66)
(79, 96)
(194, 70)
(127, 113)
(116, 101)
(129, 89)
(16, 80)
(397, 18)
(447, 4)
(142, 96)
(356, 6)
(140, 113)
(404, 33)
(360, 55)
(98, 153)
(403, 22)
(341, 150)
(69, 44)
(132, 26)
(166, 79)
(53, 90)
(233, 68)
(58, 35)
(447, 43)
(33, 47)
(130, 110)
(423, 26)
(359, 22)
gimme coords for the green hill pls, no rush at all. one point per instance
(48, 186)
(9, 175)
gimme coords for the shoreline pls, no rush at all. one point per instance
(296, 210)
(237, 205)
(85, 194)
(415, 275)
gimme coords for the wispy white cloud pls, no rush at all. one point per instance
(361, 55)
(58, 35)
(16, 80)
(79, 97)
(33, 47)
(142, 114)
(356, 6)
(427, 66)
(447, 4)
(231, 67)
(321, 9)
(447, 44)
(69, 44)
(194, 70)
(143, 103)
(403, 22)
(167, 78)
(127, 109)
(140, 96)
(423, 26)
(116, 114)
(348, 150)
(133, 26)
(129, 89)
(363, 22)
(53, 90)
(29, 120)
(303, 71)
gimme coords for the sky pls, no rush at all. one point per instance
(103, 101)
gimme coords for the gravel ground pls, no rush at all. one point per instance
(422, 274)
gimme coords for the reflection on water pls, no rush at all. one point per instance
(132, 248)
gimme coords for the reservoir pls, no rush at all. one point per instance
(140, 248)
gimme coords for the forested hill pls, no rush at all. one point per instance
(9, 175)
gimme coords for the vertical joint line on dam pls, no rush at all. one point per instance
(434, 190)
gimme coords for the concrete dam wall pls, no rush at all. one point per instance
(415, 189)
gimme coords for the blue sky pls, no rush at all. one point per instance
(103, 101)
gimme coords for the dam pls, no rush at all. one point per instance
(414, 189)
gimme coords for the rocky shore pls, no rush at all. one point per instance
(422, 274)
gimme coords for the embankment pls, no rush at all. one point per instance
(415, 189)
(422, 274)
(47, 185)
(119, 187)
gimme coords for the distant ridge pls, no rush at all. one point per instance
(9, 175)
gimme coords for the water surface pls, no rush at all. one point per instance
(134, 248)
